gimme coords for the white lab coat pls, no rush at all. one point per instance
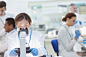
(3, 41)
(37, 41)
(65, 43)
(3, 18)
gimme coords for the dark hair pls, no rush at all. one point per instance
(22, 16)
(68, 15)
(11, 21)
(72, 4)
(2, 4)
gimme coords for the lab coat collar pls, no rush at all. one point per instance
(11, 31)
(29, 32)
(67, 27)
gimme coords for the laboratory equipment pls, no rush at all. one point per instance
(52, 33)
(27, 50)
(22, 34)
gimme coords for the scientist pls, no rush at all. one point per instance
(9, 26)
(3, 14)
(65, 37)
(73, 8)
(35, 39)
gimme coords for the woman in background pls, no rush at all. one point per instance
(65, 37)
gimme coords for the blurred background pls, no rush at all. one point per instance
(45, 14)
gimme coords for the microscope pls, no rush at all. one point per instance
(23, 49)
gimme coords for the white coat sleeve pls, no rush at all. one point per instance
(40, 45)
(64, 39)
(10, 46)
(10, 42)
(3, 41)
(2, 32)
(81, 39)
(3, 45)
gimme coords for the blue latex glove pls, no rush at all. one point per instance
(13, 53)
(76, 22)
(77, 34)
(84, 39)
(84, 42)
(79, 22)
(34, 51)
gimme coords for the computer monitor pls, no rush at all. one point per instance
(42, 26)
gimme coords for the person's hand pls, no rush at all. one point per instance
(13, 53)
(34, 51)
(84, 42)
(77, 34)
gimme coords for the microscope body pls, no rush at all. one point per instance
(22, 44)
(23, 49)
